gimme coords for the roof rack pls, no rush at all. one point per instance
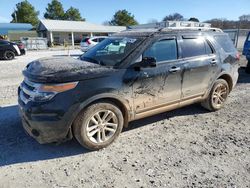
(193, 29)
(176, 25)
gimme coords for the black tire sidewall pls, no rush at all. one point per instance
(80, 130)
(12, 55)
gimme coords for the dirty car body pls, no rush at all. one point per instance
(150, 72)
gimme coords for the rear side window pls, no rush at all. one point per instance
(85, 39)
(164, 50)
(95, 40)
(225, 42)
(192, 47)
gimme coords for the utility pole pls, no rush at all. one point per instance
(238, 33)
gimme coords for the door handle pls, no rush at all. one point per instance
(174, 69)
(213, 62)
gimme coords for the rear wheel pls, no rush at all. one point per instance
(248, 68)
(98, 125)
(217, 96)
(9, 55)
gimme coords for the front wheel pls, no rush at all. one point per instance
(98, 125)
(217, 97)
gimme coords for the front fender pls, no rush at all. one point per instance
(127, 107)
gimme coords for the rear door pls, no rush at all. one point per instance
(201, 65)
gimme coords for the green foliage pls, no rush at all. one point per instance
(193, 19)
(173, 17)
(123, 18)
(54, 11)
(73, 14)
(25, 13)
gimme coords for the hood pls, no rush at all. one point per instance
(64, 69)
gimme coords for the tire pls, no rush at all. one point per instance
(96, 133)
(218, 96)
(248, 68)
(9, 55)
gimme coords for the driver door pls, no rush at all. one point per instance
(161, 85)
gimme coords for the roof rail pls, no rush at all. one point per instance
(193, 28)
(176, 25)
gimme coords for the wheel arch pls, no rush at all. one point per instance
(225, 76)
(117, 100)
(228, 79)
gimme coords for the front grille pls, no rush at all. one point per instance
(27, 91)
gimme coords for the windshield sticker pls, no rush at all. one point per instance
(128, 40)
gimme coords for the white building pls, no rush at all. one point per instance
(61, 31)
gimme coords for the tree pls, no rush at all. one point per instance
(193, 19)
(73, 14)
(107, 23)
(25, 13)
(245, 17)
(173, 17)
(54, 11)
(123, 18)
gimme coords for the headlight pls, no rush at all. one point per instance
(46, 92)
(57, 88)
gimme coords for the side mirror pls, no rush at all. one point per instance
(148, 62)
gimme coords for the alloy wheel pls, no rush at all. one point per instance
(219, 95)
(102, 126)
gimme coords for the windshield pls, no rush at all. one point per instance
(111, 51)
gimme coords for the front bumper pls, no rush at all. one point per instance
(47, 122)
(43, 132)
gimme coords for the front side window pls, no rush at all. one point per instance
(192, 47)
(163, 50)
(111, 51)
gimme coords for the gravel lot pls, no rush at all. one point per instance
(188, 147)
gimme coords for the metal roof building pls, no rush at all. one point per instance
(6, 27)
(58, 31)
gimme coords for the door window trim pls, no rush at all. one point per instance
(205, 40)
(166, 38)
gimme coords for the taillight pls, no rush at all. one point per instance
(238, 56)
(21, 46)
(88, 42)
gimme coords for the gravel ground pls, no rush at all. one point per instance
(188, 147)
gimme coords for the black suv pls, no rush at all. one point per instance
(8, 50)
(128, 76)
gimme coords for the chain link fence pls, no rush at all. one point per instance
(35, 43)
(238, 36)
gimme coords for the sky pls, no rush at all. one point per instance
(99, 11)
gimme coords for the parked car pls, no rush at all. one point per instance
(156, 71)
(8, 50)
(246, 52)
(89, 42)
